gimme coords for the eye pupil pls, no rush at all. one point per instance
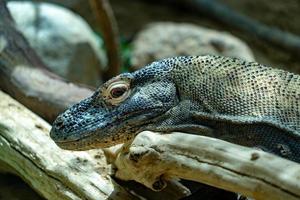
(117, 92)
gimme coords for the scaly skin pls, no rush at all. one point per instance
(241, 102)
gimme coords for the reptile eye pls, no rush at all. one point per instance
(117, 92)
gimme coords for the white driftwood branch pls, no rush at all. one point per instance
(153, 158)
(27, 149)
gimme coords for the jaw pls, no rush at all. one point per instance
(92, 143)
(114, 132)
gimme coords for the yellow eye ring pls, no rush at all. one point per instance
(117, 92)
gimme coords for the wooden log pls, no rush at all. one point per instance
(27, 150)
(153, 158)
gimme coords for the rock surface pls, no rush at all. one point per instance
(63, 40)
(166, 39)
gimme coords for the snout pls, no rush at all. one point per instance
(54, 133)
(67, 125)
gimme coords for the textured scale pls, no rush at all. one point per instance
(241, 102)
(239, 89)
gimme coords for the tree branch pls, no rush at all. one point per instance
(25, 146)
(226, 15)
(153, 158)
(24, 76)
(106, 24)
(27, 151)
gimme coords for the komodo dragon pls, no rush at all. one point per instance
(241, 102)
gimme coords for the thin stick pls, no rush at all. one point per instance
(108, 27)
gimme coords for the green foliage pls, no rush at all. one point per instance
(126, 52)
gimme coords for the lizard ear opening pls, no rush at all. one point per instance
(117, 92)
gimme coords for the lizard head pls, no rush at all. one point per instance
(118, 110)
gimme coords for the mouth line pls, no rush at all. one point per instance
(89, 134)
(67, 143)
(73, 145)
(128, 115)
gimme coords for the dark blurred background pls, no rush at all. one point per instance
(132, 16)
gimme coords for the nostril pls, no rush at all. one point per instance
(59, 124)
